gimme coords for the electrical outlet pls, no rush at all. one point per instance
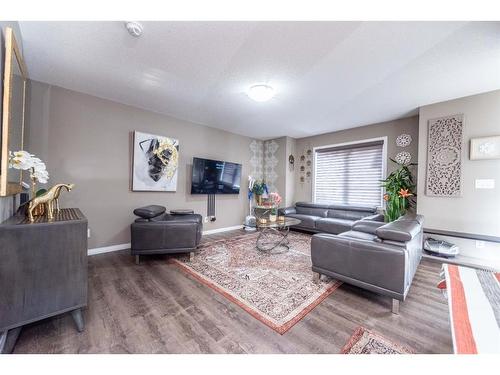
(88, 232)
(206, 219)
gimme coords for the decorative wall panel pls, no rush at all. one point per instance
(257, 159)
(444, 157)
(306, 163)
(270, 163)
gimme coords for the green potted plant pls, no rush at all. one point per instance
(399, 191)
(259, 188)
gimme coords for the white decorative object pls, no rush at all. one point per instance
(485, 148)
(156, 161)
(23, 160)
(403, 157)
(403, 140)
(444, 157)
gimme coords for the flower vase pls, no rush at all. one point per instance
(40, 209)
(33, 187)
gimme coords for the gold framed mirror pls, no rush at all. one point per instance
(13, 115)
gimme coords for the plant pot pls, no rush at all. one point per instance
(272, 218)
(258, 199)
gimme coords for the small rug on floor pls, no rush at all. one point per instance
(275, 288)
(364, 341)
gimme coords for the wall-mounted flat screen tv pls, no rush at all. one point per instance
(215, 177)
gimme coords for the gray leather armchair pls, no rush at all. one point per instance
(157, 232)
(373, 255)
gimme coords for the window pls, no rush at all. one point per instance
(349, 174)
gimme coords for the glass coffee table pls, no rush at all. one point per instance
(273, 235)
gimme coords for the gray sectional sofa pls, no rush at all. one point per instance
(373, 255)
(355, 245)
(322, 218)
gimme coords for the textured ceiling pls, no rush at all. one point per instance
(328, 75)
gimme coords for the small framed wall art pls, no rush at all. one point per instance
(485, 148)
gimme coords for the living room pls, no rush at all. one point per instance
(199, 187)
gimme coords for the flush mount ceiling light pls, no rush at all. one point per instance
(134, 28)
(261, 93)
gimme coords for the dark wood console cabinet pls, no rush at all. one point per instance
(43, 271)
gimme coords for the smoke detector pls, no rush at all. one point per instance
(134, 28)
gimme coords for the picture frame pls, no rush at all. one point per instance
(13, 115)
(485, 148)
(155, 163)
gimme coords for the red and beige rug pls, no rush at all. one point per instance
(364, 341)
(276, 289)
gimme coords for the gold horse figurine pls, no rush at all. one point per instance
(58, 192)
(48, 199)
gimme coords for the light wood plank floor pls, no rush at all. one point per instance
(156, 308)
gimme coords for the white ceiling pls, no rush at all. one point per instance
(328, 75)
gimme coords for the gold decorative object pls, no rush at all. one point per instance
(281, 218)
(39, 210)
(262, 221)
(47, 200)
(258, 199)
(68, 187)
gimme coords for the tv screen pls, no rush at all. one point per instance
(215, 177)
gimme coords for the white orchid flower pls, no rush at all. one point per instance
(42, 176)
(39, 166)
(20, 160)
(24, 160)
(37, 161)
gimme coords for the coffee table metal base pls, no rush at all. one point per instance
(273, 240)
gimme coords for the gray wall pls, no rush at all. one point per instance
(290, 171)
(477, 211)
(6, 203)
(87, 141)
(390, 129)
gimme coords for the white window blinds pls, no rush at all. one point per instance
(349, 175)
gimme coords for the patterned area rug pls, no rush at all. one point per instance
(364, 341)
(275, 288)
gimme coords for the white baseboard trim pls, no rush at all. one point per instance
(123, 246)
(108, 249)
(220, 230)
